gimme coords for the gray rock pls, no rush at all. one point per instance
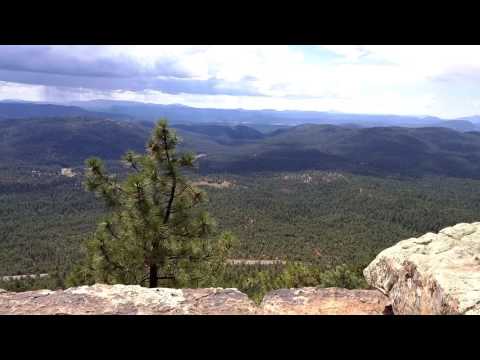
(325, 301)
(432, 274)
(130, 300)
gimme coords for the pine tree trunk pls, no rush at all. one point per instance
(153, 282)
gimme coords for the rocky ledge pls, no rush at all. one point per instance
(432, 274)
(133, 300)
(126, 300)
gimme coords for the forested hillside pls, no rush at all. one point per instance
(382, 151)
(326, 199)
(321, 217)
(67, 141)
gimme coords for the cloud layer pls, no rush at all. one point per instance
(434, 80)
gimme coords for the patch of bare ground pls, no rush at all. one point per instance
(255, 262)
(308, 178)
(218, 184)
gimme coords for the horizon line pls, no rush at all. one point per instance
(72, 103)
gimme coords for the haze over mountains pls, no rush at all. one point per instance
(184, 114)
(22, 110)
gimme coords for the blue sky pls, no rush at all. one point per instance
(406, 80)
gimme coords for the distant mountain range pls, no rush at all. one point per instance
(261, 119)
(24, 110)
(185, 114)
(380, 151)
(243, 140)
(473, 119)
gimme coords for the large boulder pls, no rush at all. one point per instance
(325, 301)
(432, 274)
(126, 300)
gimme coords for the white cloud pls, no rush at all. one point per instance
(436, 80)
(11, 91)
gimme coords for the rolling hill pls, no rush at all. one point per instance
(67, 141)
(382, 151)
(262, 120)
(375, 151)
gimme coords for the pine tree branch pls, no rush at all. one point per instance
(108, 259)
(174, 211)
(170, 200)
(134, 166)
(110, 231)
(173, 175)
(186, 187)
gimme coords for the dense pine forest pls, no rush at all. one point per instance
(326, 225)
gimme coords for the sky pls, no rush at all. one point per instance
(435, 80)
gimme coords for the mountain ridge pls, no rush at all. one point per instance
(25, 110)
(178, 113)
(385, 151)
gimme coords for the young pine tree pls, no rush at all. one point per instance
(157, 232)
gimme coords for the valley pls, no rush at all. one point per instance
(324, 197)
(317, 217)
